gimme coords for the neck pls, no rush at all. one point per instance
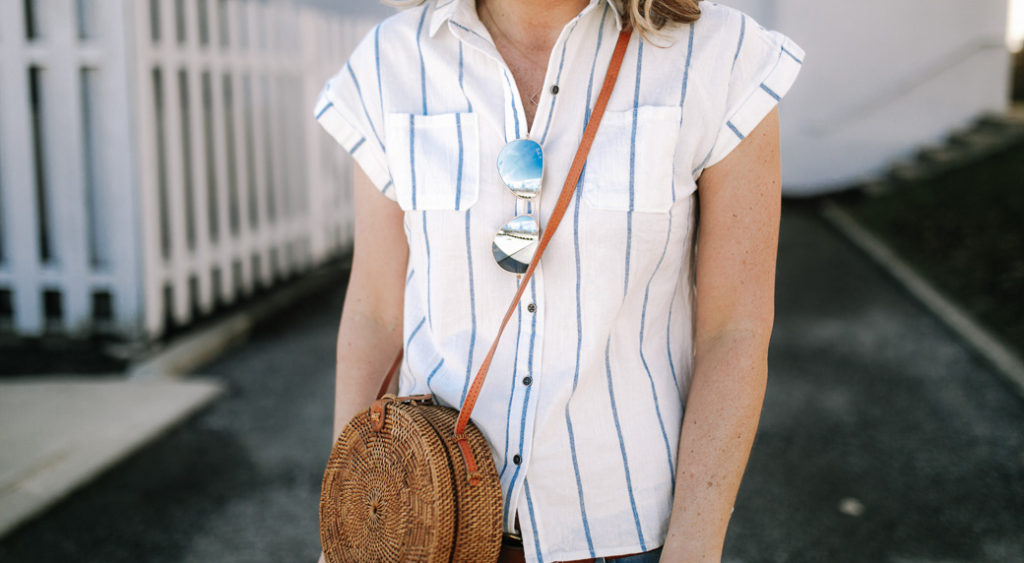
(533, 23)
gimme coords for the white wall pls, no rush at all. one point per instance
(882, 78)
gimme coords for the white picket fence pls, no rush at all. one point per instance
(159, 158)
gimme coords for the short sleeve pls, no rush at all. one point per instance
(349, 107)
(764, 67)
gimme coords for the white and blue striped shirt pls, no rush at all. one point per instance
(585, 397)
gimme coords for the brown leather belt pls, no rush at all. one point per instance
(512, 551)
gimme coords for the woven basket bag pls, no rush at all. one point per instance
(386, 494)
(410, 480)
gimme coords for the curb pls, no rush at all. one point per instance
(51, 456)
(178, 357)
(981, 340)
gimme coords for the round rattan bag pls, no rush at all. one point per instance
(396, 489)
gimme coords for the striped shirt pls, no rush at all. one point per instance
(585, 397)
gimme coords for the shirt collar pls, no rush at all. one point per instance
(446, 10)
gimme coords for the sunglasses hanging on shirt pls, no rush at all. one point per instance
(521, 168)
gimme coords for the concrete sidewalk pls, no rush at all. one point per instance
(57, 433)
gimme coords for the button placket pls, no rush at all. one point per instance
(524, 411)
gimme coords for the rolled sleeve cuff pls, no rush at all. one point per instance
(364, 150)
(758, 103)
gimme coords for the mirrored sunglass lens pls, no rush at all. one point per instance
(521, 166)
(515, 244)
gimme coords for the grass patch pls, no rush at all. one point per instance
(964, 230)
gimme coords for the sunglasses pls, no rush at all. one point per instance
(521, 168)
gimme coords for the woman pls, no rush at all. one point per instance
(624, 396)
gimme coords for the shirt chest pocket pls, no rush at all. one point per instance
(434, 160)
(630, 165)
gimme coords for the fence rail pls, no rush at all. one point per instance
(158, 158)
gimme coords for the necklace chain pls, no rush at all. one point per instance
(534, 99)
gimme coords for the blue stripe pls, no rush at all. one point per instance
(668, 343)
(791, 55)
(735, 130)
(576, 375)
(622, 446)
(409, 340)
(412, 168)
(423, 67)
(515, 109)
(686, 74)
(668, 325)
(526, 399)
(412, 156)
(533, 340)
(558, 78)
(682, 96)
(362, 102)
(426, 243)
(508, 416)
(632, 164)
(704, 162)
(462, 86)
(358, 144)
(376, 56)
(511, 393)
(323, 109)
(464, 28)
(386, 187)
(590, 86)
(643, 359)
(409, 277)
(533, 521)
(579, 308)
(414, 331)
(743, 30)
(472, 310)
(443, 5)
(770, 92)
(432, 373)
(458, 176)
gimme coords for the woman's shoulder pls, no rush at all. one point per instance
(729, 25)
(408, 20)
(717, 13)
(403, 25)
(717, 27)
(396, 33)
(721, 33)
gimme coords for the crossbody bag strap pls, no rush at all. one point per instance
(568, 189)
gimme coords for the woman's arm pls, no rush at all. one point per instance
(740, 201)
(370, 333)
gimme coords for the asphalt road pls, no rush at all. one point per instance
(883, 439)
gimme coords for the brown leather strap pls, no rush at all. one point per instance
(391, 374)
(568, 189)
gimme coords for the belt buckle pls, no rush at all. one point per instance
(514, 541)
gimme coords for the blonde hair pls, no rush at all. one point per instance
(646, 16)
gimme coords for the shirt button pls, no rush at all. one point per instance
(531, 308)
(527, 380)
(554, 89)
(516, 459)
